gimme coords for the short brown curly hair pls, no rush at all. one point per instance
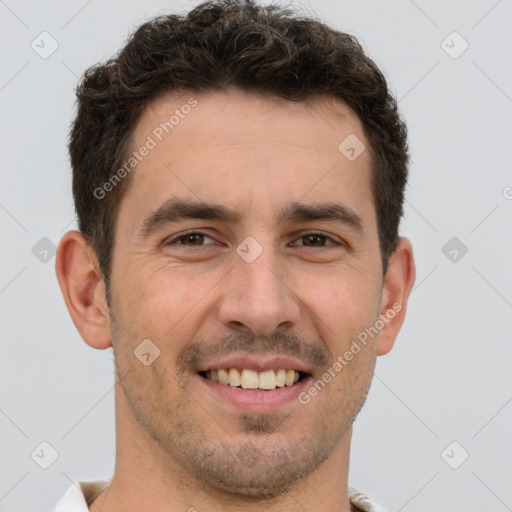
(221, 44)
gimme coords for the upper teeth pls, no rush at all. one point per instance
(250, 379)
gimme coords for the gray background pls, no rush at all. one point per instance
(449, 376)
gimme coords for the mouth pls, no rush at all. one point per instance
(262, 388)
(252, 380)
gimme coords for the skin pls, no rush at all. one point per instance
(179, 447)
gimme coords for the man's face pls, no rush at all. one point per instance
(267, 287)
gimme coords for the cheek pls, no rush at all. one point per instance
(344, 301)
(162, 296)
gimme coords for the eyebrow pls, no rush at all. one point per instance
(173, 210)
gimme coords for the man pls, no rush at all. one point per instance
(238, 177)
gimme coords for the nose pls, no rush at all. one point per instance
(257, 297)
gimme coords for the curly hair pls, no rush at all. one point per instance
(224, 44)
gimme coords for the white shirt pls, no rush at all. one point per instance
(81, 494)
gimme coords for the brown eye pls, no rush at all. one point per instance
(316, 240)
(194, 239)
(190, 239)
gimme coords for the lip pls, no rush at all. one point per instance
(253, 401)
(258, 363)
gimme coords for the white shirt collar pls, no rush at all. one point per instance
(81, 494)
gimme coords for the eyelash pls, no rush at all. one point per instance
(312, 233)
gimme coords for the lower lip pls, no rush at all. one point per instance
(256, 401)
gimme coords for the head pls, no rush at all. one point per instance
(219, 45)
(238, 178)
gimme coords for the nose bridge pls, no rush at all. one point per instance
(258, 296)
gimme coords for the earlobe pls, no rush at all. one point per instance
(398, 284)
(83, 288)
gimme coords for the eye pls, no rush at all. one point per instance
(197, 238)
(316, 240)
(193, 238)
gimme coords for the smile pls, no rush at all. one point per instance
(254, 380)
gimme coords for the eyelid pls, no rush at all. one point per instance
(176, 237)
(321, 233)
(298, 236)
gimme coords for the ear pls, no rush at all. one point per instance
(83, 288)
(398, 284)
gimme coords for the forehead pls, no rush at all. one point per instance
(239, 148)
